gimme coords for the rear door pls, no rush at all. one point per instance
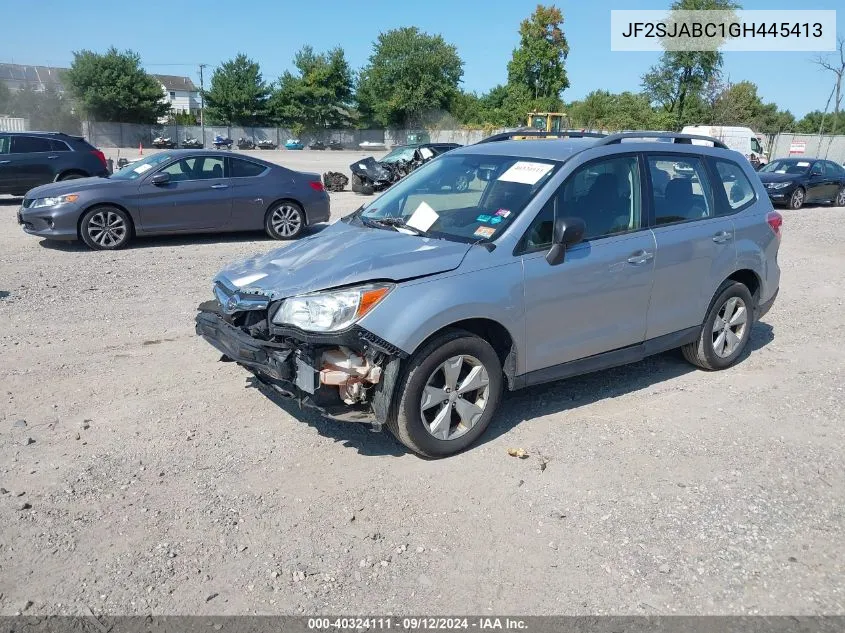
(198, 197)
(31, 161)
(695, 244)
(818, 184)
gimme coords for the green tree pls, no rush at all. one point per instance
(739, 104)
(114, 87)
(319, 94)
(817, 120)
(46, 109)
(409, 75)
(238, 94)
(682, 75)
(624, 111)
(537, 69)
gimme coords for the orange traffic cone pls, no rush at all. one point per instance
(140, 148)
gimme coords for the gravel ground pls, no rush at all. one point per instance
(138, 475)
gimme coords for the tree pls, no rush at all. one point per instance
(625, 111)
(46, 109)
(238, 94)
(739, 104)
(681, 75)
(114, 87)
(410, 75)
(837, 67)
(538, 64)
(318, 96)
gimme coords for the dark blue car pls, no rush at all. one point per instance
(798, 181)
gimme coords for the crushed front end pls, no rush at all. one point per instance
(346, 375)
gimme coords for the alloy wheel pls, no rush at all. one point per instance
(107, 228)
(840, 198)
(454, 397)
(286, 220)
(797, 199)
(729, 326)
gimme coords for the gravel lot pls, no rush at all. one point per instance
(139, 475)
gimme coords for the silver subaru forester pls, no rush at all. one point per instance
(562, 257)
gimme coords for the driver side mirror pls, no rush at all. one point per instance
(161, 178)
(566, 232)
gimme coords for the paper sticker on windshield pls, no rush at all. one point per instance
(496, 220)
(482, 218)
(526, 172)
(484, 231)
(503, 213)
(423, 217)
(140, 169)
(426, 152)
(803, 164)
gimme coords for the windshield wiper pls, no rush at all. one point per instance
(397, 223)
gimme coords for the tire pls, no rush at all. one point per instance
(116, 228)
(284, 220)
(426, 368)
(71, 176)
(713, 349)
(839, 201)
(796, 200)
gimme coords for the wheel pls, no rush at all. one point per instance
(796, 200)
(284, 221)
(840, 198)
(105, 228)
(462, 183)
(449, 393)
(726, 328)
(71, 177)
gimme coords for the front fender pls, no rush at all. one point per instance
(417, 309)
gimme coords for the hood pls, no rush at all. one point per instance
(340, 255)
(70, 186)
(770, 176)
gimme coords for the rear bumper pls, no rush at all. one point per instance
(318, 211)
(763, 308)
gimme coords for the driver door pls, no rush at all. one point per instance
(197, 197)
(597, 299)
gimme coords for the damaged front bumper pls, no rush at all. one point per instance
(348, 377)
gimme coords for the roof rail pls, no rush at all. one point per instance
(676, 136)
(504, 136)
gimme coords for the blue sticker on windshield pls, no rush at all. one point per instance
(496, 220)
(482, 218)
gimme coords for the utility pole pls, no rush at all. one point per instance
(202, 104)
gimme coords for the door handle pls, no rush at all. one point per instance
(220, 186)
(53, 156)
(640, 257)
(722, 236)
(4, 162)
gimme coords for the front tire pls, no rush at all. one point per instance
(449, 393)
(726, 329)
(105, 228)
(284, 221)
(796, 200)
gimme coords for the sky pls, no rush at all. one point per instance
(174, 37)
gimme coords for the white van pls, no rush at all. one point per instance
(739, 139)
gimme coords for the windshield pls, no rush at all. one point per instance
(141, 167)
(462, 197)
(787, 167)
(400, 153)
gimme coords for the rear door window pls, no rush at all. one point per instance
(58, 146)
(680, 188)
(4, 144)
(29, 144)
(738, 189)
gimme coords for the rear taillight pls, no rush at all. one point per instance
(775, 220)
(101, 156)
(316, 185)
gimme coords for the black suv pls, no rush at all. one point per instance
(30, 159)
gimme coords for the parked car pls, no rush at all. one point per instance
(799, 181)
(370, 175)
(419, 308)
(178, 191)
(294, 143)
(740, 139)
(30, 159)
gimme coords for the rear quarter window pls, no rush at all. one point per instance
(245, 168)
(739, 192)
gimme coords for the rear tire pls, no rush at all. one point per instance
(105, 228)
(284, 221)
(71, 176)
(463, 415)
(840, 198)
(721, 342)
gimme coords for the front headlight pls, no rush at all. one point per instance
(332, 310)
(779, 185)
(40, 203)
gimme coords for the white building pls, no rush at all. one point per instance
(180, 93)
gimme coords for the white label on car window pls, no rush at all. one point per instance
(525, 172)
(803, 164)
(426, 152)
(140, 169)
(423, 217)
(361, 166)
